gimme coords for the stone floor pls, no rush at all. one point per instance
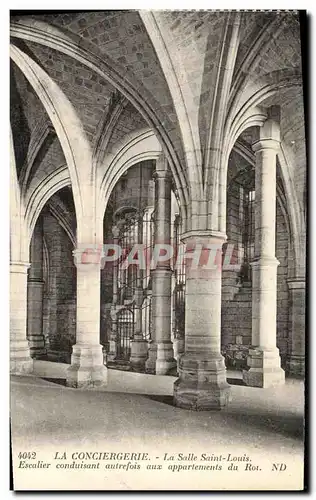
(259, 422)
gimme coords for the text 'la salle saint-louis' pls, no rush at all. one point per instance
(141, 456)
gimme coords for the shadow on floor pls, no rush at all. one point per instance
(235, 381)
(62, 381)
(161, 398)
(286, 424)
(260, 419)
(58, 381)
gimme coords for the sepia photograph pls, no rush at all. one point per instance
(158, 214)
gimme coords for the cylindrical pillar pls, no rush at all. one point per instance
(202, 381)
(87, 368)
(161, 355)
(35, 290)
(20, 359)
(139, 346)
(297, 319)
(113, 334)
(178, 294)
(264, 360)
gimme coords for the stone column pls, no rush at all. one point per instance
(179, 284)
(20, 359)
(297, 318)
(113, 335)
(202, 381)
(161, 355)
(35, 290)
(87, 368)
(264, 360)
(139, 346)
(178, 339)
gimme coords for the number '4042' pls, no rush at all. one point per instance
(27, 454)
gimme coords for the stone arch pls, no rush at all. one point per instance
(251, 114)
(252, 117)
(124, 209)
(89, 55)
(50, 185)
(287, 203)
(136, 147)
(110, 121)
(297, 222)
(257, 49)
(216, 133)
(40, 137)
(18, 248)
(241, 102)
(190, 137)
(265, 86)
(68, 127)
(58, 210)
(46, 264)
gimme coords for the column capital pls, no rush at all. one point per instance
(264, 261)
(266, 144)
(269, 134)
(162, 174)
(19, 266)
(216, 237)
(161, 271)
(91, 254)
(296, 283)
(36, 281)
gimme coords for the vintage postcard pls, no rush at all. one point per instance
(157, 249)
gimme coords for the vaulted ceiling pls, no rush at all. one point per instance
(190, 67)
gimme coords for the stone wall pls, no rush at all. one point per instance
(236, 301)
(60, 292)
(127, 190)
(282, 243)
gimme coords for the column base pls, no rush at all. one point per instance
(150, 364)
(87, 369)
(296, 365)
(178, 346)
(265, 368)
(111, 355)
(58, 356)
(139, 352)
(179, 349)
(37, 346)
(202, 382)
(21, 362)
(165, 358)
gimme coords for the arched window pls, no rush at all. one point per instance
(241, 220)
